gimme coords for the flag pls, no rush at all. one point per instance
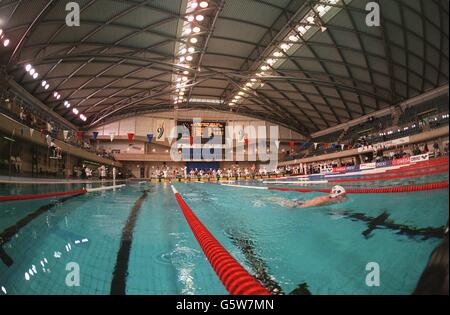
(315, 145)
(292, 145)
(130, 136)
(31, 132)
(150, 137)
(66, 134)
(342, 147)
(80, 134)
(94, 135)
(111, 136)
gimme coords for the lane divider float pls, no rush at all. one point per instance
(57, 194)
(381, 190)
(233, 276)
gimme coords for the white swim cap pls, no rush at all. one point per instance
(337, 191)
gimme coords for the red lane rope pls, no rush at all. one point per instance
(234, 277)
(381, 190)
(365, 179)
(41, 196)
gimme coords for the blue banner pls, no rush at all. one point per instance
(94, 135)
(352, 168)
(149, 137)
(384, 163)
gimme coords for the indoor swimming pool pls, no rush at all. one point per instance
(135, 240)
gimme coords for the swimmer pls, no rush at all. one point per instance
(336, 195)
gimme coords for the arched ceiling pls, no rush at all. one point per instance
(124, 57)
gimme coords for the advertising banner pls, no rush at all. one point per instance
(384, 163)
(402, 161)
(339, 169)
(353, 168)
(382, 145)
(419, 158)
(367, 166)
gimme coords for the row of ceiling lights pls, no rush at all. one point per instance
(186, 51)
(34, 74)
(298, 32)
(3, 39)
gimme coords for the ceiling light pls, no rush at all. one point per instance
(58, 97)
(199, 17)
(44, 83)
(35, 75)
(196, 29)
(182, 59)
(277, 54)
(188, 30)
(323, 28)
(183, 89)
(1, 31)
(47, 86)
(193, 40)
(32, 71)
(301, 29)
(264, 68)
(253, 79)
(194, 5)
(241, 93)
(66, 103)
(181, 93)
(238, 97)
(6, 42)
(75, 111)
(191, 49)
(248, 84)
(310, 19)
(203, 4)
(183, 51)
(320, 8)
(189, 58)
(271, 61)
(28, 67)
(190, 18)
(293, 38)
(285, 46)
(55, 94)
(184, 78)
(186, 72)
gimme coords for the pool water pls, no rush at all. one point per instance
(325, 249)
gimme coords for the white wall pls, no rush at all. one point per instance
(142, 125)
